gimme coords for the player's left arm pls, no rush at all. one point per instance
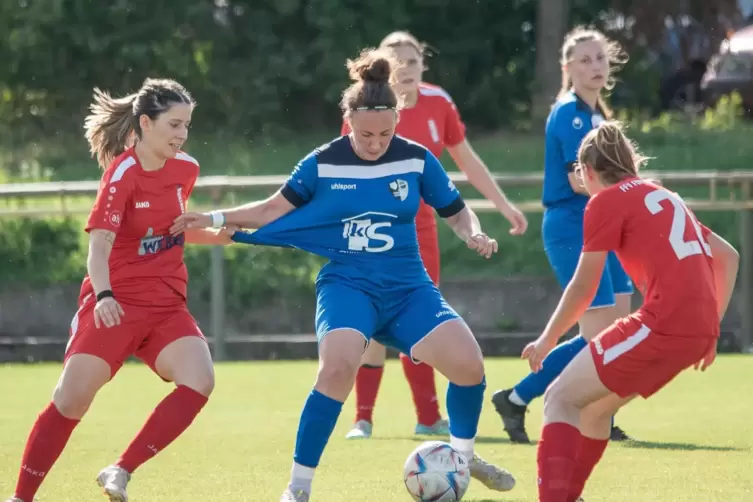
(483, 180)
(602, 232)
(439, 192)
(726, 262)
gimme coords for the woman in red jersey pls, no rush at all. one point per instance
(133, 299)
(686, 274)
(429, 117)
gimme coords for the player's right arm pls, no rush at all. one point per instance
(725, 261)
(296, 192)
(104, 222)
(569, 136)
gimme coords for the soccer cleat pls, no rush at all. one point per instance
(493, 477)
(618, 434)
(361, 430)
(513, 416)
(290, 496)
(440, 428)
(14, 499)
(113, 480)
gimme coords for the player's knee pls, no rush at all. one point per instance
(337, 374)
(71, 401)
(202, 383)
(470, 370)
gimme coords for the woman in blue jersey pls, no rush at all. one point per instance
(354, 201)
(580, 107)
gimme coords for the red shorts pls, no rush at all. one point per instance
(143, 332)
(631, 359)
(428, 246)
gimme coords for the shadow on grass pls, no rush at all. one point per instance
(655, 445)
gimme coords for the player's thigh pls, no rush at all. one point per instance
(113, 345)
(429, 330)
(346, 319)
(576, 387)
(375, 354)
(177, 351)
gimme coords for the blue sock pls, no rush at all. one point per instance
(318, 419)
(464, 405)
(535, 384)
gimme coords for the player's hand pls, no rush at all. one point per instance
(226, 234)
(537, 351)
(107, 311)
(707, 360)
(482, 244)
(190, 220)
(517, 220)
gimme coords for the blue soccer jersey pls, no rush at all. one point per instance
(568, 123)
(362, 213)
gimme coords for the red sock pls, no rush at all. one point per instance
(589, 455)
(48, 437)
(556, 454)
(168, 421)
(368, 379)
(421, 380)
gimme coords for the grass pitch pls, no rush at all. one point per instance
(696, 439)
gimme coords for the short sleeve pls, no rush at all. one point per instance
(602, 225)
(301, 185)
(438, 190)
(454, 128)
(570, 129)
(113, 195)
(345, 129)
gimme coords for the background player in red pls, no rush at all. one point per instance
(133, 299)
(430, 118)
(686, 274)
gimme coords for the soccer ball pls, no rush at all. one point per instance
(436, 472)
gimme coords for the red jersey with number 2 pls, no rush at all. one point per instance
(664, 249)
(146, 262)
(434, 122)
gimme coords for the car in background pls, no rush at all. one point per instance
(731, 70)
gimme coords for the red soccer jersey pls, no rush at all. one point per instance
(146, 263)
(433, 122)
(663, 248)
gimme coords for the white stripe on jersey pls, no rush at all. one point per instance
(435, 91)
(122, 168)
(186, 157)
(371, 172)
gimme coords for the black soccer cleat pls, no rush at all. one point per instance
(618, 434)
(513, 416)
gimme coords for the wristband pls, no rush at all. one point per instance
(218, 219)
(107, 293)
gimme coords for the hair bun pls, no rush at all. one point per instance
(372, 66)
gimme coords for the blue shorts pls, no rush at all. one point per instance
(564, 256)
(399, 318)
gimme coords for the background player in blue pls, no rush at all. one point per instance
(586, 56)
(354, 201)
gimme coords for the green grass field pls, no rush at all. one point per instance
(696, 439)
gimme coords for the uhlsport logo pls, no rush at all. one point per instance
(363, 232)
(153, 244)
(399, 189)
(343, 186)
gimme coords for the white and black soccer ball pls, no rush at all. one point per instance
(436, 472)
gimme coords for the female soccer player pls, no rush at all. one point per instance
(133, 299)
(354, 201)
(428, 117)
(586, 58)
(686, 274)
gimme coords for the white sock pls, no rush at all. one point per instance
(301, 478)
(515, 399)
(464, 446)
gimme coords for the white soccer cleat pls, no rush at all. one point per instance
(493, 477)
(14, 499)
(361, 430)
(113, 480)
(298, 496)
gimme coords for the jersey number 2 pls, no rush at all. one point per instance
(681, 247)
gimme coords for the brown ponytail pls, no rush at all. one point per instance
(110, 126)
